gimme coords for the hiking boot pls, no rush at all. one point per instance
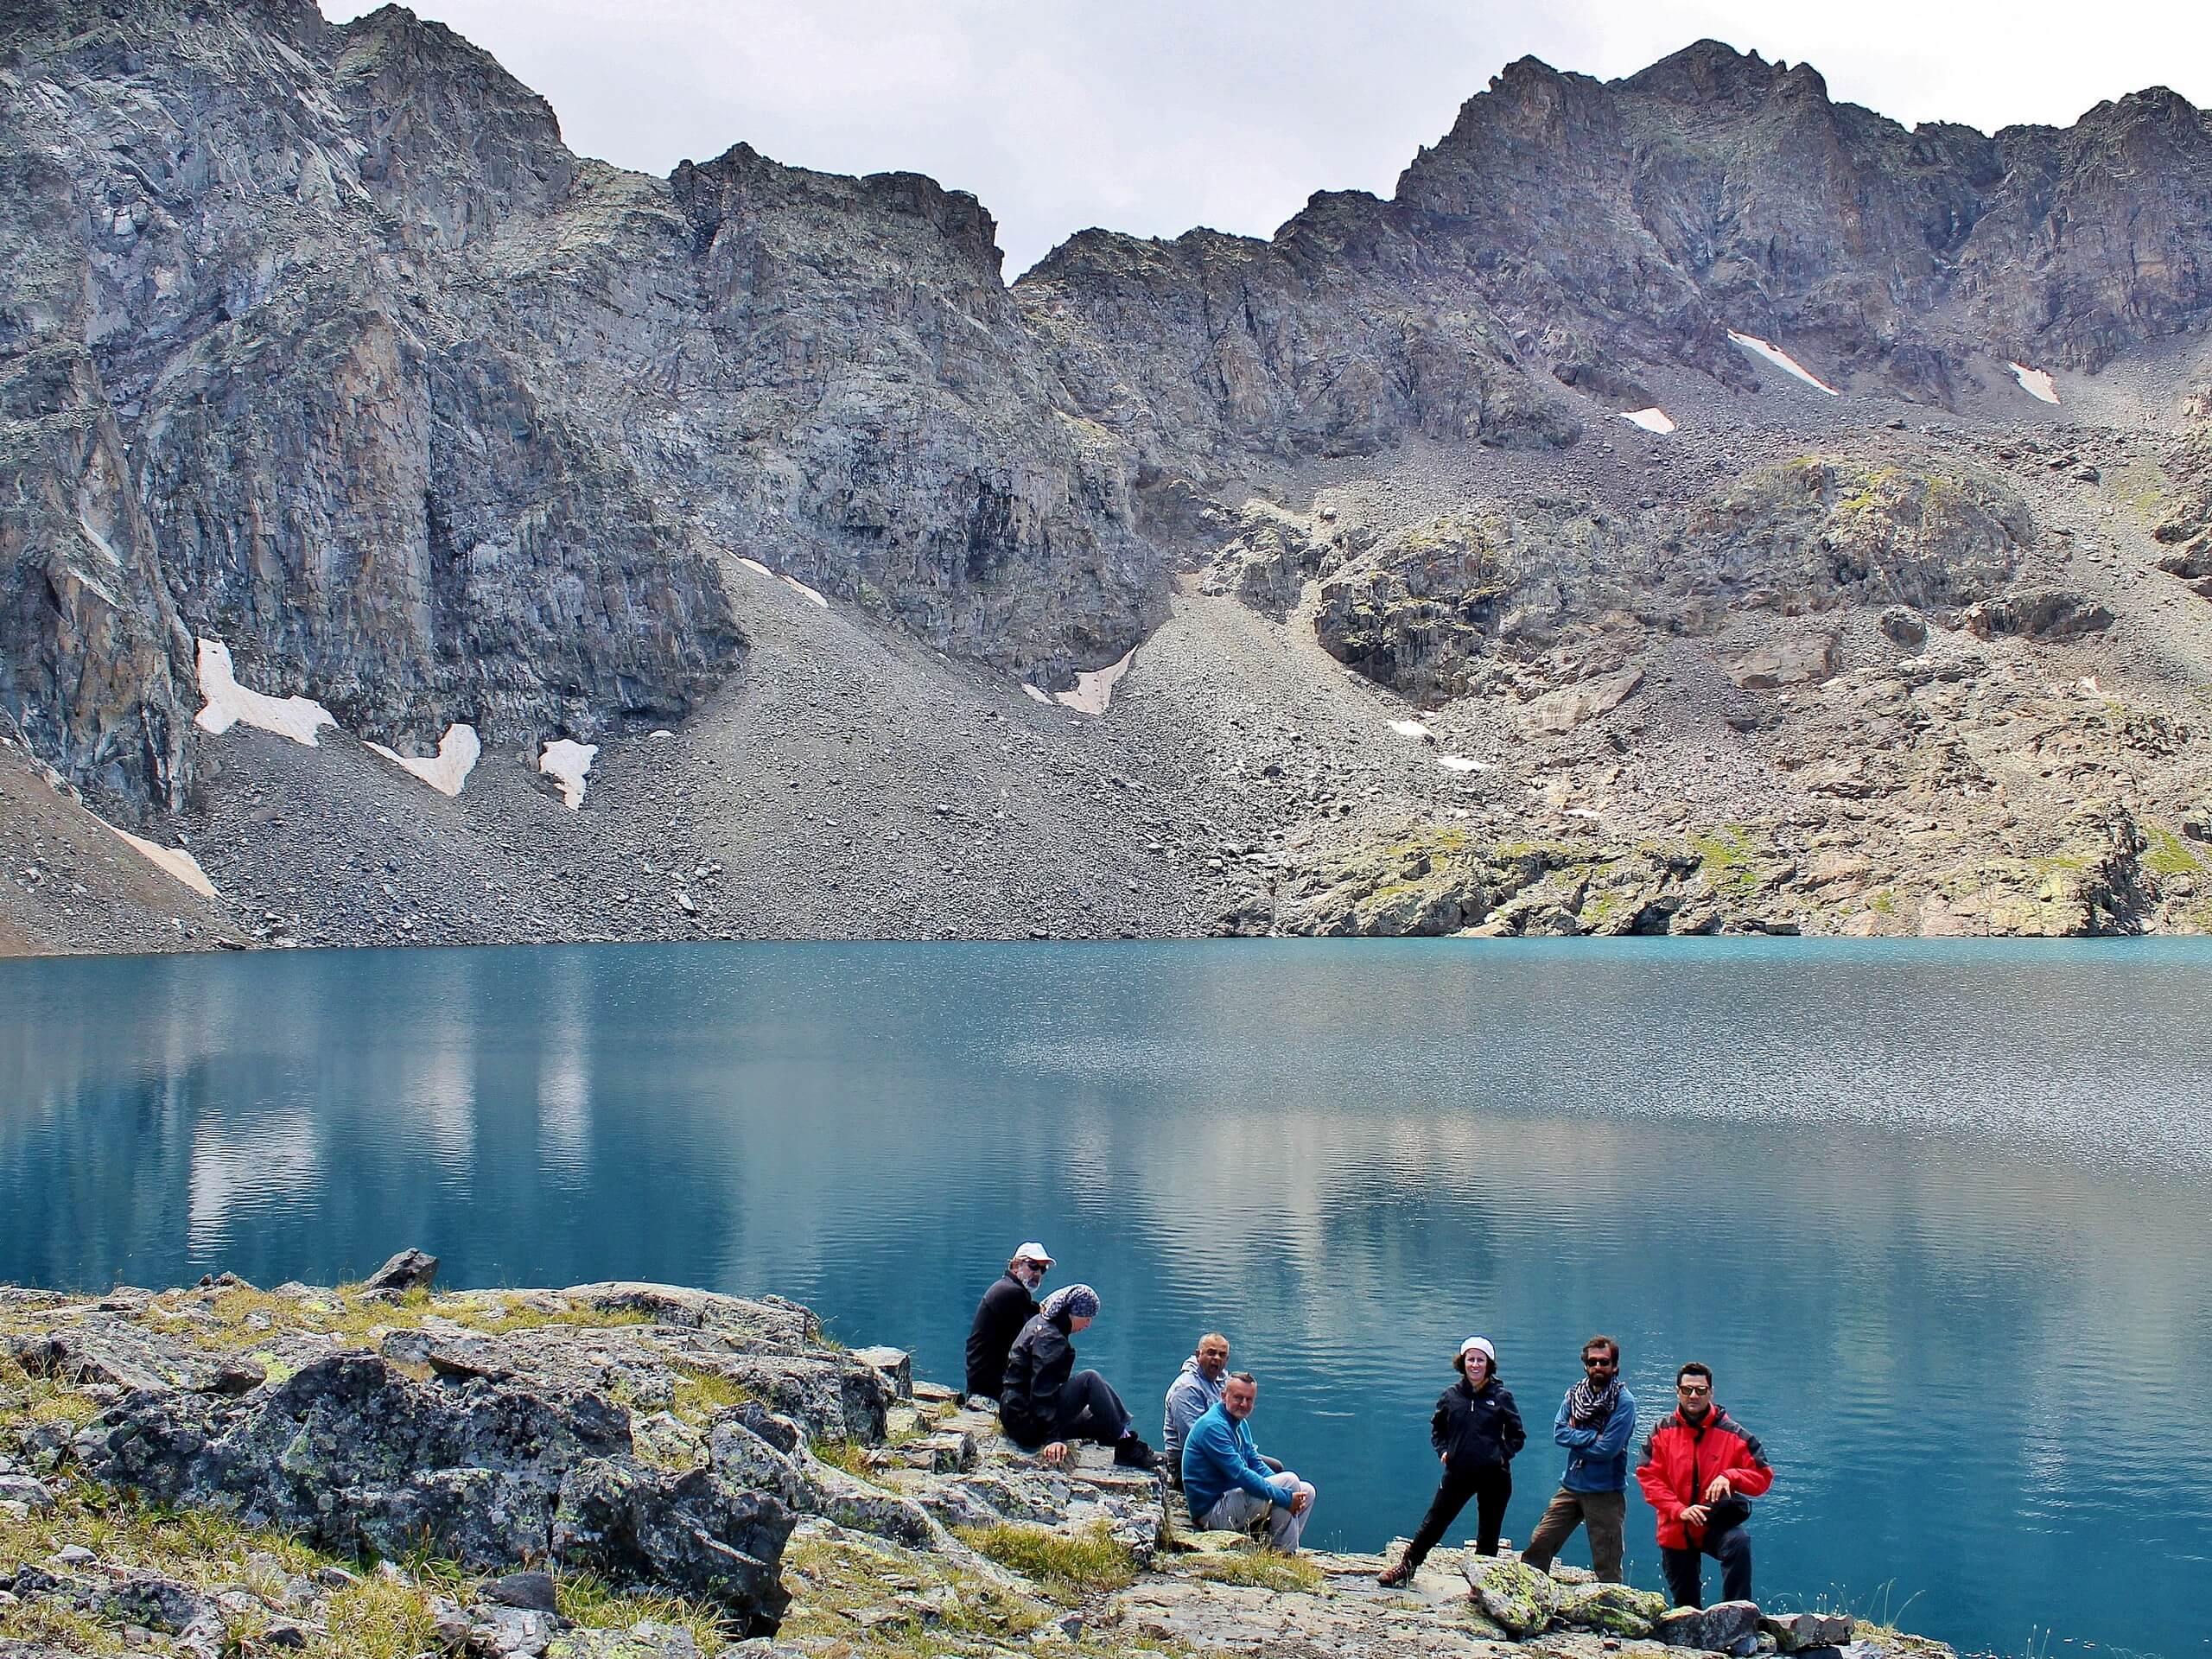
(1398, 1574)
(1132, 1452)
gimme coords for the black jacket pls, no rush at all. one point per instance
(1036, 1371)
(1477, 1431)
(1006, 1307)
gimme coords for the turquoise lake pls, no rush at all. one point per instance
(1936, 1213)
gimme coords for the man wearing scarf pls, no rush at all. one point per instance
(1596, 1423)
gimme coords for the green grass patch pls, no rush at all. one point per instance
(26, 1399)
(1726, 856)
(591, 1602)
(697, 1393)
(378, 1618)
(1088, 1562)
(2167, 854)
(847, 1455)
(1264, 1570)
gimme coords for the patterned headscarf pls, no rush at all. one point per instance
(1077, 1302)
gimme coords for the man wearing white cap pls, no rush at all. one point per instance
(1474, 1431)
(1009, 1305)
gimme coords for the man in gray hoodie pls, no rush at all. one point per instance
(1197, 1387)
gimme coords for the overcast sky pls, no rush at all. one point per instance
(1153, 116)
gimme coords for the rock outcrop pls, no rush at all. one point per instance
(577, 1475)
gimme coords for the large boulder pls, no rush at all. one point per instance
(1730, 1627)
(1518, 1598)
(354, 1456)
(1618, 1610)
(648, 1529)
(1802, 1633)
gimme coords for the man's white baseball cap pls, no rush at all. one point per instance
(1033, 1251)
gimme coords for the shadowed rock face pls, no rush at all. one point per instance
(318, 340)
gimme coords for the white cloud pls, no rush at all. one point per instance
(1152, 117)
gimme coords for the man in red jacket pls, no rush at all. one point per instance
(1700, 1471)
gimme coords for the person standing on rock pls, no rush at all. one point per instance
(1596, 1421)
(1476, 1430)
(1009, 1304)
(1700, 1470)
(1044, 1403)
(1228, 1484)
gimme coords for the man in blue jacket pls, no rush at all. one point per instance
(1596, 1423)
(1227, 1485)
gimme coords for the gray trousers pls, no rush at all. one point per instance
(1238, 1509)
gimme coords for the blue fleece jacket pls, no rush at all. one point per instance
(1597, 1459)
(1219, 1453)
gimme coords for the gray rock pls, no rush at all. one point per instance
(642, 1528)
(410, 1269)
(1730, 1627)
(1799, 1632)
(896, 1365)
(533, 1590)
(1518, 1598)
(21, 1488)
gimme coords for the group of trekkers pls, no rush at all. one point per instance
(1700, 1469)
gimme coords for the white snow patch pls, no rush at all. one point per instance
(1783, 360)
(1036, 692)
(1460, 763)
(1095, 690)
(567, 760)
(178, 862)
(1410, 728)
(447, 770)
(792, 583)
(229, 702)
(1654, 419)
(2036, 382)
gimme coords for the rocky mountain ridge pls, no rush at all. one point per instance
(316, 341)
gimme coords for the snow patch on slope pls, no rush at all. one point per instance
(174, 860)
(1782, 359)
(447, 770)
(792, 583)
(2036, 382)
(1410, 728)
(1095, 690)
(230, 703)
(1654, 419)
(567, 761)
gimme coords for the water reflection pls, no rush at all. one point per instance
(1935, 1214)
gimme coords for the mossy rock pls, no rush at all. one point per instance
(1611, 1609)
(1519, 1598)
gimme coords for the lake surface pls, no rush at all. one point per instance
(1935, 1212)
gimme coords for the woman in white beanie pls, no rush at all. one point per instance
(1476, 1430)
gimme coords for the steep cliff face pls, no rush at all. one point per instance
(319, 340)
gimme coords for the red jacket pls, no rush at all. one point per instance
(1680, 1460)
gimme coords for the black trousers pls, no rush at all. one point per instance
(1730, 1547)
(1489, 1487)
(1090, 1410)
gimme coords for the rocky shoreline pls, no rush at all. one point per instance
(631, 1470)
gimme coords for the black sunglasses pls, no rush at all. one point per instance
(1599, 1364)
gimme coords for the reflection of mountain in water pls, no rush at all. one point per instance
(1922, 1264)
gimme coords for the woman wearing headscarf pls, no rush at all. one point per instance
(1476, 1430)
(1041, 1405)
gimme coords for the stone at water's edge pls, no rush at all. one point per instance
(1517, 1597)
(410, 1269)
(1802, 1632)
(1611, 1609)
(1731, 1627)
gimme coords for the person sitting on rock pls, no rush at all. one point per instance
(1042, 1406)
(1700, 1470)
(1476, 1430)
(1009, 1304)
(1196, 1386)
(1227, 1484)
(1596, 1421)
